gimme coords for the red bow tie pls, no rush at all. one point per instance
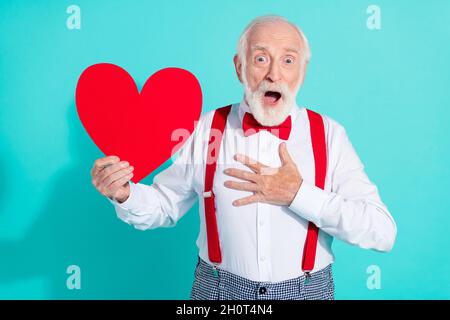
(251, 126)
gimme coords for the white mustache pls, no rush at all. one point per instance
(267, 86)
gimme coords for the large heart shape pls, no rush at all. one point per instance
(138, 127)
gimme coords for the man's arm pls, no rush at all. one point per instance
(164, 202)
(353, 210)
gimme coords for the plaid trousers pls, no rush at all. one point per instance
(228, 286)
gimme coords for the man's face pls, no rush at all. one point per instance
(273, 72)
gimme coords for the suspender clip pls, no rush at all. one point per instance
(215, 271)
(307, 277)
(207, 194)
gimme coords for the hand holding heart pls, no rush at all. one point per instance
(136, 126)
(110, 177)
(271, 185)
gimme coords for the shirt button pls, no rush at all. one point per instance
(261, 222)
(262, 290)
(263, 258)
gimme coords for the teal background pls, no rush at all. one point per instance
(389, 88)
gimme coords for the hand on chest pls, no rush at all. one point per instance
(265, 173)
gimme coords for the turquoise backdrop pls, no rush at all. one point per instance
(388, 87)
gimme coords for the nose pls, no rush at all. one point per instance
(274, 74)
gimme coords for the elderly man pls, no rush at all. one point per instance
(276, 183)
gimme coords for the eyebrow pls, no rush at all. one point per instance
(292, 50)
(261, 47)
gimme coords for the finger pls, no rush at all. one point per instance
(111, 169)
(249, 162)
(243, 186)
(247, 200)
(284, 154)
(267, 171)
(116, 185)
(101, 163)
(117, 175)
(241, 174)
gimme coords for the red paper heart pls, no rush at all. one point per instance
(138, 127)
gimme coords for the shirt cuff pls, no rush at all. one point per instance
(130, 202)
(308, 202)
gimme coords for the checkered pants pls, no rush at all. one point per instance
(228, 286)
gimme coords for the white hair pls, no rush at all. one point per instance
(242, 43)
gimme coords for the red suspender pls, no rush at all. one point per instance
(319, 146)
(219, 121)
(215, 137)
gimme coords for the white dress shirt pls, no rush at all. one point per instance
(260, 241)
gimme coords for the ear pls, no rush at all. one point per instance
(303, 73)
(238, 67)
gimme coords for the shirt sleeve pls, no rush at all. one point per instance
(164, 202)
(353, 210)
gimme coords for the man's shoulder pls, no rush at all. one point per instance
(332, 126)
(203, 124)
(206, 117)
(211, 112)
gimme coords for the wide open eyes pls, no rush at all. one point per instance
(261, 59)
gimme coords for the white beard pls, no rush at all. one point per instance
(269, 116)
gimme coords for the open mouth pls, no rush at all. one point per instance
(271, 97)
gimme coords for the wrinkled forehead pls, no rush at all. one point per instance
(275, 36)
